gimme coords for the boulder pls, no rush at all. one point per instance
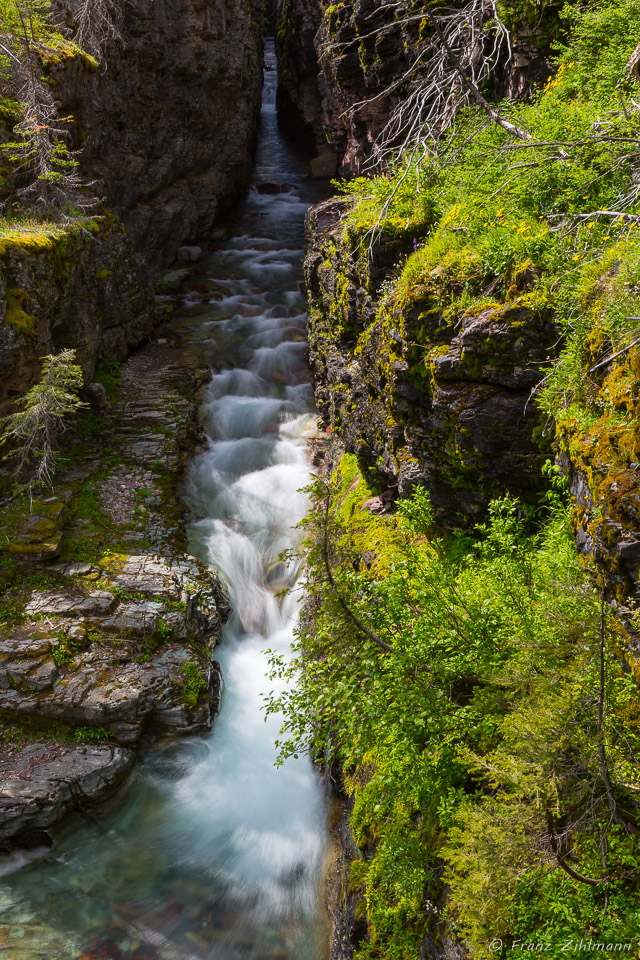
(189, 254)
(98, 603)
(326, 165)
(43, 782)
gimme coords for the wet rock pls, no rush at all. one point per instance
(171, 281)
(44, 782)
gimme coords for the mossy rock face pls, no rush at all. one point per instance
(423, 396)
(33, 529)
(61, 288)
(601, 456)
(15, 312)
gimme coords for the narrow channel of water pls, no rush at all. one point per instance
(213, 852)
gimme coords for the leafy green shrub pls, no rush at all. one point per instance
(471, 749)
(194, 683)
(92, 734)
(65, 650)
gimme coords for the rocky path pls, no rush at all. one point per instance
(107, 626)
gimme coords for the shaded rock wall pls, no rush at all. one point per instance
(422, 400)
(80, 287)
(299, 101)
(334, 56)
(168, 123)
(325, 70)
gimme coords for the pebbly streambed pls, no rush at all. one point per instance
(211, 851)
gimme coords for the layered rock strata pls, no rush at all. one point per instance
(108, 625)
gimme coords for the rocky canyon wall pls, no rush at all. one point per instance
(165, 126)
(421, 396)
(168, 122)
(82, 288)
(345, 66)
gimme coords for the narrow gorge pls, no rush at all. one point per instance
(320, 539)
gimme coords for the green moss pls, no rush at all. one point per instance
(15, 313)
(28, 237)
(59, 51)
(194, 683)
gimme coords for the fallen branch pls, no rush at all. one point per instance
(562, 863)
(476, 96)
(608, 360)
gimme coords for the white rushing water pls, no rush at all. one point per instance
(214, 852)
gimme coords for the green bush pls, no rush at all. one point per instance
(478, 735)
(92, 734)
(193, 684)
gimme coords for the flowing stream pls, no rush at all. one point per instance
(212, 851)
